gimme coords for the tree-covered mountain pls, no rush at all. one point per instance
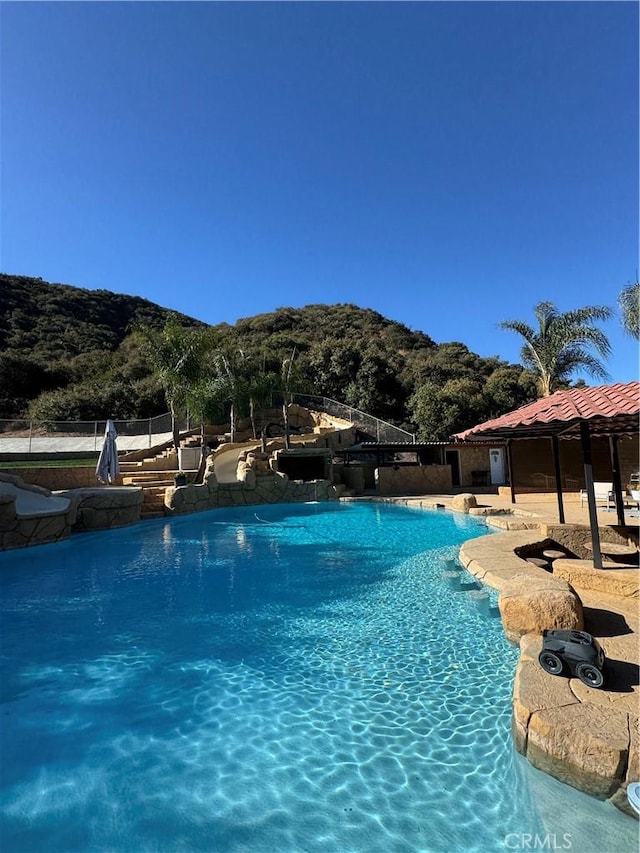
(72, 348)
(70, 353)
(57, 321)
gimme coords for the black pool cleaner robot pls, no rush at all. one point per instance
(573, 653)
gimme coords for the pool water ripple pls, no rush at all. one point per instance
(305, 680)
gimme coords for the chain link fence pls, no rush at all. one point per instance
(33, 436)
(29, 436)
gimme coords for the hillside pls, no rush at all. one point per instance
(68, 345)
(68, 353)
(54, 322)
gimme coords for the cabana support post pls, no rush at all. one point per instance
(585, 437)
(615, 470)
(511, 477)
(555, 452)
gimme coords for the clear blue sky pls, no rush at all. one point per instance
(446, 164)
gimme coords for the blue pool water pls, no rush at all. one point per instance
(290, 678)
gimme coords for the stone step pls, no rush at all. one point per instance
(144, 515)
(151, 474)
(149, 496)
(158, 488)
(154, 504)
(162, 455)
(148, 463)
(155, 482)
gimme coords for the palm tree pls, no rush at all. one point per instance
(229, 382)
(561, 343)
(175, 354)
(262, 385)
(629, 302)
(292, 381)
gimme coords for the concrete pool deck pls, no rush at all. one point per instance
(542, 508)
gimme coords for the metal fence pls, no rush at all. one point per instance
(27, 436)
(33, 436)
(374, 427)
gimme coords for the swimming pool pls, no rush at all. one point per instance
(284, 678)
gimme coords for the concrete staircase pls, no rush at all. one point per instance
(153, 484)
(153, 475)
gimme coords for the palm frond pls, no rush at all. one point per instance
(629, 302)
(563, 343)
(522, 329)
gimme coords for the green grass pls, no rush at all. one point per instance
(50, 463)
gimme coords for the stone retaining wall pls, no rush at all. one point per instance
(106, 507)
(56, 478)
(414, 479)
(32, 515)
(257, 484)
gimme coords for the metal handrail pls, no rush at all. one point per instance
(383, 430)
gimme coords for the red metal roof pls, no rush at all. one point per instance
(609, 409)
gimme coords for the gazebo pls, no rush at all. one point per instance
(610, 411)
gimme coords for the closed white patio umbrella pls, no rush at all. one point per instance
(108, 466)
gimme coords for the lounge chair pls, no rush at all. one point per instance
(603, 492)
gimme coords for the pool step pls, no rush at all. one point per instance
(481, 600)
(458, 579)
(453, 577)
(153, 484)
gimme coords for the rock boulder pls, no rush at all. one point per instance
(528, 605)
(583, 745)
(464, 502)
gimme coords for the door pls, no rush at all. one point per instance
(452, 458)
(496, 465)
